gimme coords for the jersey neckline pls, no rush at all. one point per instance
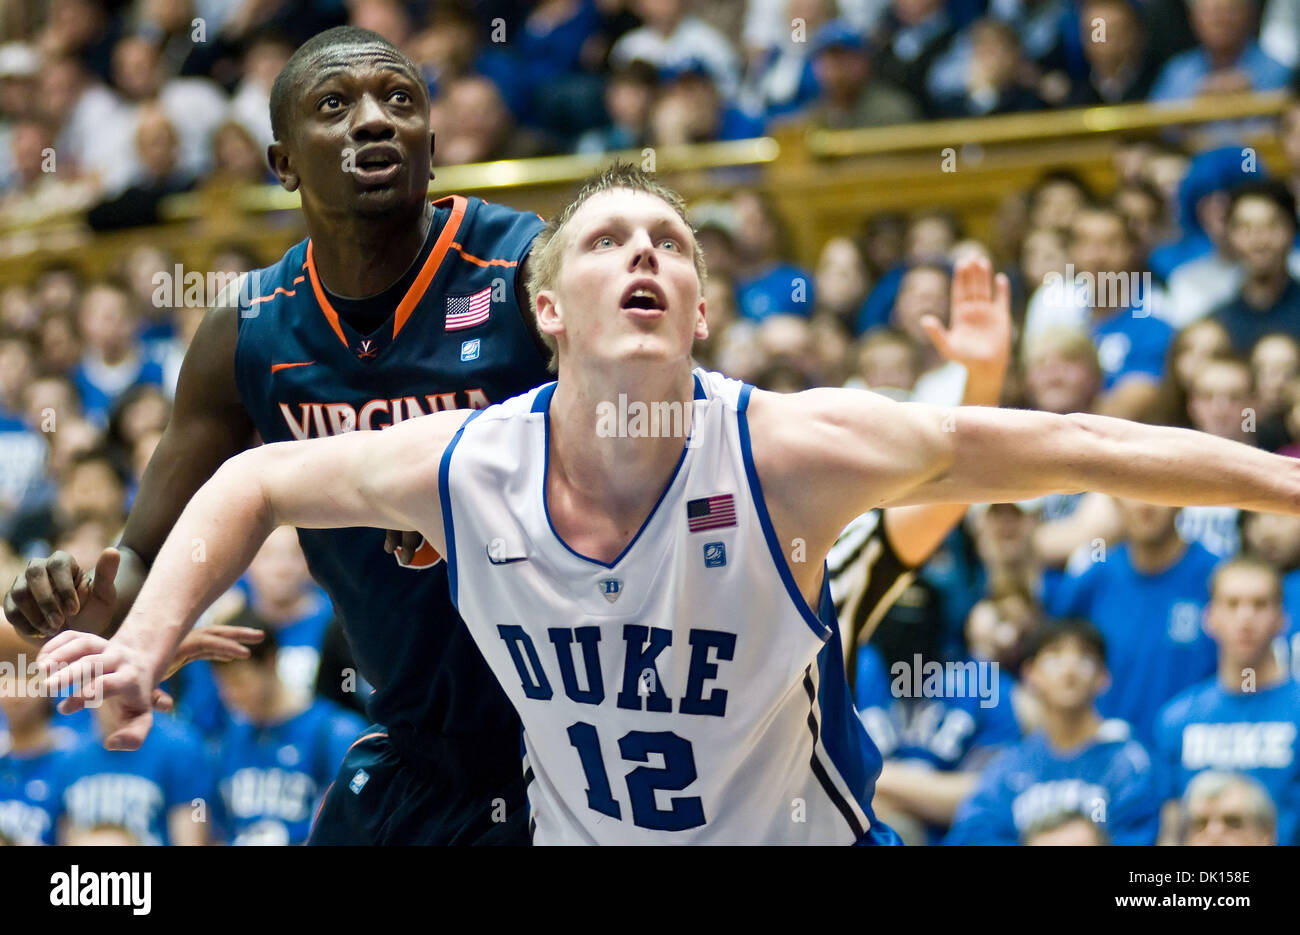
(458, 205)
(542, 404)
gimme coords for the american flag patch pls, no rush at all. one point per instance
(711, 513)
(466, 311)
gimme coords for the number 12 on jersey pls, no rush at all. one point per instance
(676, 774)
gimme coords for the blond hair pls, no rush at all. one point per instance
(548, 248)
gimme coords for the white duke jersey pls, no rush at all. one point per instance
(683, 693)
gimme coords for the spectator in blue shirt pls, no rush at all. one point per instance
(1146, 598)
(279, 753)
(1276, 539)
(114, 359)
(1078, 763)
(766, 284)
(31, 751)
(162, 793)
(1261, 229)
(1247, 718)
(1227, 59)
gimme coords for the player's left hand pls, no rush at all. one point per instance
(978, 335)
(217, 643)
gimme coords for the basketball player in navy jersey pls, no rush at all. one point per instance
(547, 535)
(444, 324)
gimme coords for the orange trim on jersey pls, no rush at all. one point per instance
(479, 262)
(276, 368)
(279, 290)
(327, 310)
(446, 238)
(417, 290)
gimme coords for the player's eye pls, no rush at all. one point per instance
(670, 244)
(401, 97)
(330, 102)
(604, 240)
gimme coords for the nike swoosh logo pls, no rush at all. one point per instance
(275, 368)
(505, 561)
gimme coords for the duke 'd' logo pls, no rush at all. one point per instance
(610, 588)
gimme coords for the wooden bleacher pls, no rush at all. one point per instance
(824, 182)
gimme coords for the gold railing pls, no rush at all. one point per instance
(825, 182)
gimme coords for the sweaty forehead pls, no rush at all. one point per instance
(353, 61)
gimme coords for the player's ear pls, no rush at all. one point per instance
(277, 156)
(548, 313)
(701, 324)
(433, 148)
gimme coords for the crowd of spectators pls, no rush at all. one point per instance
(1144, 655)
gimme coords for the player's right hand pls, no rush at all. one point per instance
(119, 678)
(54, 594)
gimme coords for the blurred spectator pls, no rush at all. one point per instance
(1145, 596)
(250, 105)
(1275, 361)
(1276, 539)
(113, 358)
(1222, 809)
(19, 65)
(40, 191)
(556, 56)
(94, 134)
(280, 751)
(672, 38)
(161, 793)
(90, 487)
(780, 78)
(81, 29)
(237, 159)
(1065, 829)
(478, 127)
(933, 745)
(1279, 31)
(908, 41)
(1114, 302)
(850, 94)
(1261, 225)
(766, 284)
(1056, 197)
(629, 94)
(156, 144)
(991, 80)
(1289, 137)
(923, 293)
(889, 362)
(1077, 763)
(1189, 351)
(1144, 208)
(1227, 58)
(931, 236)
(883, 238)
(32, 753)
(1062, 373)
(194, 107)
(688, 109)
(1120, 68)
(841, 280)
(1247, 718)
(1221, 401)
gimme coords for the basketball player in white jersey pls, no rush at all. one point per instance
(654, 605)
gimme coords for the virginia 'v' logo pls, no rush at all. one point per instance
(367, 350)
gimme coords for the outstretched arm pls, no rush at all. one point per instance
(825, 456)
(383, 479)
(978, 337)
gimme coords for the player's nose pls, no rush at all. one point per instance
(643, 252)
(370, 121)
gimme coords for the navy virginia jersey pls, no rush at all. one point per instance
(456, 339)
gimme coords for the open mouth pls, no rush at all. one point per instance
(645, 297)
(377, 164)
